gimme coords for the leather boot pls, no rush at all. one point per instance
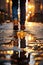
(22, 27)
(15, 24)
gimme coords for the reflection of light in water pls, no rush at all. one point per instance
(30, 24)
(8, 57)
(32, 61)
(26, 54)
(27, 17)
(30, 38)
(7, 63)
(35, 28)
(19, 46)
(6, 32)
(10, 52)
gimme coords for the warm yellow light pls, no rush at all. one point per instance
(29, 6)
(30, 12)
(7, 1)
(11, 2)
(31, 38)
(41, 6)
(16, 52)
(10, 52)
(21, 34)
(30, 24)
(27, 16)
(26, 23)
(4, 52)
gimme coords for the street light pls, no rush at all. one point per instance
(7, 1)
(30, 8)
(41, 7)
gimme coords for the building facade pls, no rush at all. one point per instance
(2, 4)
(38, 5)
(6, 5)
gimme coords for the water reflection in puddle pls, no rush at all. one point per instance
(35, 28)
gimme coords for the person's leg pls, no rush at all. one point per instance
(14, 13)
(22, 14)
(15, 17)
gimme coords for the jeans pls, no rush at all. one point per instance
(14, 13)
(22, 12)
